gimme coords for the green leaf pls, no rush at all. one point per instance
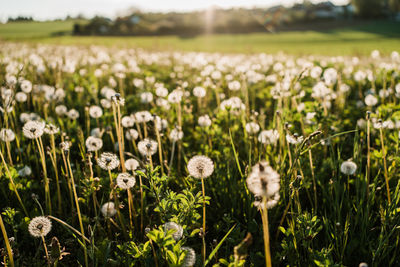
(215, 250)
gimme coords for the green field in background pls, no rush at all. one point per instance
(357, 40)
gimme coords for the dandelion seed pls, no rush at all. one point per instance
(178, 233)
(147, 147)
(125, 181)
(108, 161)
(39, 226)
(200, 167)
(108, 209)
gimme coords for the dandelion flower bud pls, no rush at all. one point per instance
(108, 209)
(39, 226)
(200, 167)
(147, 147)
(125, 181)
(348, 167)
(178, 233)
(108, 161)
(190, 257)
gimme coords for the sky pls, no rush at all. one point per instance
(53, 9)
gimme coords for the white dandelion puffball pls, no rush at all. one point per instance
(147, 147)
(370, 100)
(125, 180)
(263, 181)
(190, 257)
(294, 139)
(268, 137)
(33, 129)
(95, 112)
(7, 135)
(51, 129)
(178, 233)
(108, 161)
(61, 110)
(73, 114)
(108, 209)
(25, 171)
(127, 121)
(93, 143)
(176, 134)
(131, 134)
(39, 226)
(348, 167)
(252, 127)
(131, 164)
(199, 92)
(204, 121)
(200, 167)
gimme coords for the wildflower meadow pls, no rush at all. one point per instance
(130, 157)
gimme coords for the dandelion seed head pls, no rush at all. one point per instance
(7, 135)
(147, 147)
(200, 167)
(174, 226)
(263, 181)
(108, 161)
(125, 181)
(93, 143)
(39, 226)
(95, 112)
(33, 129)
(131, 164)
(190, 257)
(348, 167)
(108, 209)
(51, 129)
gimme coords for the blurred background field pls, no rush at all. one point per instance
(357, 40)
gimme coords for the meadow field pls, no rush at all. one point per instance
(209, 151)
(353, 40)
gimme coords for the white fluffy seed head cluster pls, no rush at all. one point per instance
(174, 226)
(348, 167)
(93, 143)
(108, 209)
(131, 164)
(147, 147)
(108, 161)
(7, 135)
(200, 167)
(125, 181)
(39, 226)
(268, 137)
(190, 257)
(33, 129)
(264, 181)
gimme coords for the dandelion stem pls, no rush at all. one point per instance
(77, 209)
(264, 214)
(45, 250)
(385, 165)
(8, 247)
(204, 221)
(368, 152)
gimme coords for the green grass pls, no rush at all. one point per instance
(356, 40)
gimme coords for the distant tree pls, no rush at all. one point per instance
(19, 18)
(394, 5)
(369, 8)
